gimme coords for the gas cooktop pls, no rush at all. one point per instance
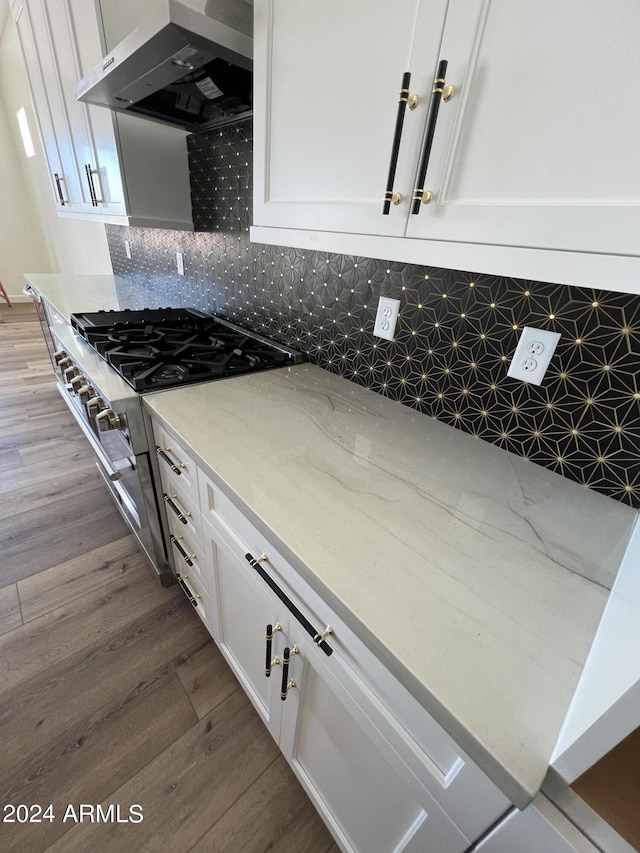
(163, 347)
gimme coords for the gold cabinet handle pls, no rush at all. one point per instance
(192, 598)
(287, 683)
(320, 638)
(163, 455)
(406, 101)
(268, 664)
(441, 92)
(170, 502)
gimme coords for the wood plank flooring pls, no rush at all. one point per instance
(111, 690)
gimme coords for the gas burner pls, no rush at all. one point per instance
(162, 375)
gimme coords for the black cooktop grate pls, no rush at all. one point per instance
(162, 348)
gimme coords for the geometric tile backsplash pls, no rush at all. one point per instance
(455, 335)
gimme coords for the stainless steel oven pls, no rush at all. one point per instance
(109, 413)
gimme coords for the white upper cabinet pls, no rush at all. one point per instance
(120, 170)
(55, 130)
(538, 147)
(532, 168)
(330, 98)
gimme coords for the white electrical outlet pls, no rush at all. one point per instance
(127, 249)
(180, 263)
(533, 354)
(386, 318)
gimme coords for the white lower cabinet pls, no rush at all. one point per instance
(382, 773)
(244, 610)
(366, 794)
(540, 828)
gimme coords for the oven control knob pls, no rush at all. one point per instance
(108, 419)
(76, 382)
(95, 404)
(70, 372)
(64, 363)
(84, 392)
(59, 356)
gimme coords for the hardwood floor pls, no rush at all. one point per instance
(111, 690)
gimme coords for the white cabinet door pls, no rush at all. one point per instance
(244, 610)
(75, 29)
(380, 770)
(360, 785)
(49, 106)
(326, 98)
(540, 828)
(99, 164)
(321, 725)
(538, 147)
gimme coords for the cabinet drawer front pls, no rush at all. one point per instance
(214, 504)
(188, 556)
(175, 463)
(182, 513)
(198, 595)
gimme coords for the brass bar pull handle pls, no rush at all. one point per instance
(89, 172)
(186, 557)
(287, 684)
(440, 92)
(169, 500)
(192, 598)
(163, 455)
(405, 101)
(284, 598)
(320, 638)
(58, 179)
(269, 664)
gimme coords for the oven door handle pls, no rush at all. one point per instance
(112, 473)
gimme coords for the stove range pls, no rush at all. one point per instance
(106, 361)
(160, 348)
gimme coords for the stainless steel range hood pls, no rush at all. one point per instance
(188, 65)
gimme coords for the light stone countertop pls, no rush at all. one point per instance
(478, 578)
(71, 294)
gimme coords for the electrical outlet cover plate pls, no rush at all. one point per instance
(386, 317)
(533, 354)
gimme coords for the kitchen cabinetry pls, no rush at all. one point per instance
(532, 170)
(324, 119)
(380, 771)
(50, 109)
(540, 827)
(183, 523)
(100, 164)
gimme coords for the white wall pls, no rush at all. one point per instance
(32, 237)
